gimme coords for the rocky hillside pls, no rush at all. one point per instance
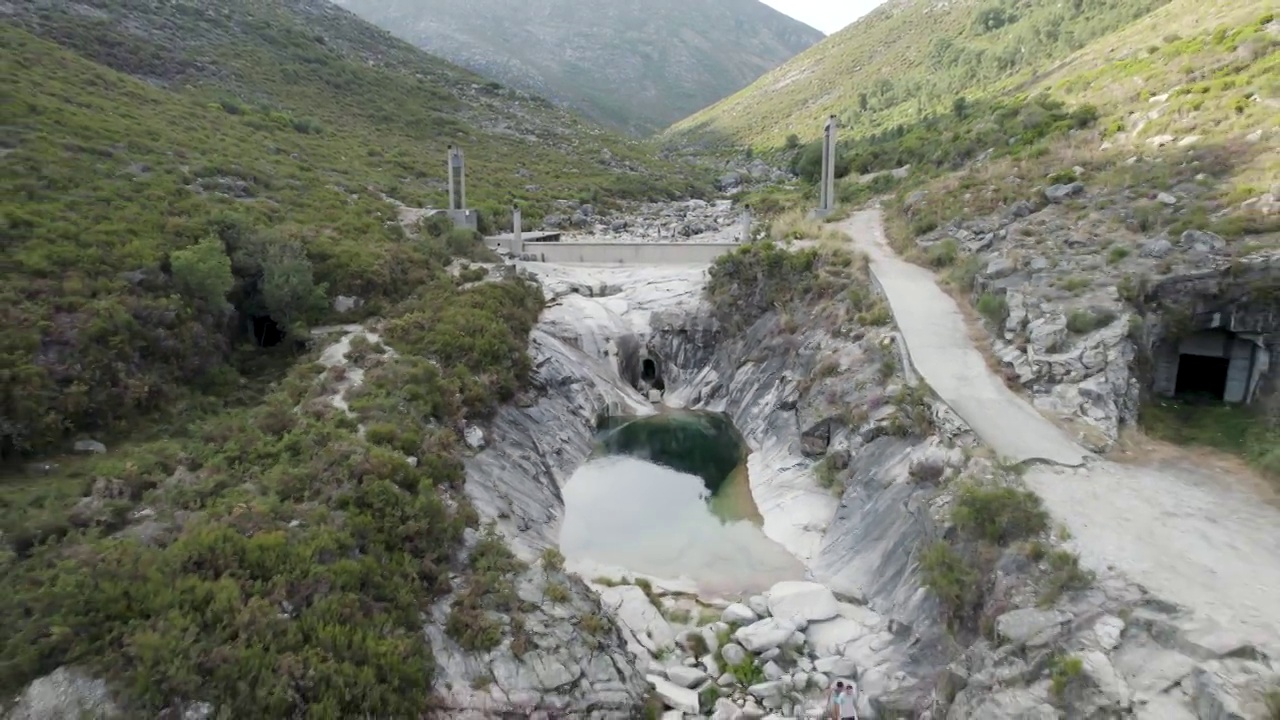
(207, 500)
(638, 66)
(1067, 205)
(142, 132)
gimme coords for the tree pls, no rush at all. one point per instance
(863, 102)
(289, 291)
(202, 272)
(960, 107)
(793, 141)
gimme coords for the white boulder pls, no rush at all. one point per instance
(802, 602)
(764, 635)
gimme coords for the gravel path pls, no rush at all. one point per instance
(1188, 535)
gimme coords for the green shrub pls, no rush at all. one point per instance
(1065, 670)
(1086, 321)
(999, 515)
(943, 254)
(952, 580)
(993, 307)
(203, 272)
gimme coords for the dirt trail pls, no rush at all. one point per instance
(1189, 535)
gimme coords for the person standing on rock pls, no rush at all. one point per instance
(845, 702)
(849, 703)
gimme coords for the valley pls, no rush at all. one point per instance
(303, 415)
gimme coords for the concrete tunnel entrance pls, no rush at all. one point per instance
(1199, 376)
(1213, 365)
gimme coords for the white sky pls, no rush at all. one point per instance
(826, 15)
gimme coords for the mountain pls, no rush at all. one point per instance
(909, 57)
(638, 65)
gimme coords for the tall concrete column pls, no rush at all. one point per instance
(827, 184)
(462, 181)
(517, 233)
(457, 180)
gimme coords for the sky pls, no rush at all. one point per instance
(826, 15)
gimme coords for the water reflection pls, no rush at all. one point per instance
(669, 496)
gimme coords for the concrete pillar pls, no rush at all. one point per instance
(457, 179)
(462, 181)
(517, 232)
(827, 183)
(453, 198)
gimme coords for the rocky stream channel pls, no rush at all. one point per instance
(806, 573)
(857, 609)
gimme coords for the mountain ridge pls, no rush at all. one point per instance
(635, 66)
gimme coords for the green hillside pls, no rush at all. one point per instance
(183, 184)
(135, 132)
(910, 58)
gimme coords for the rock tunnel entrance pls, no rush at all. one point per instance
(1201, 377)
(266, 331)
(650, 376)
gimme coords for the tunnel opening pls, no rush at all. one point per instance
(1201, 376)
(266, 331)
(650, 376)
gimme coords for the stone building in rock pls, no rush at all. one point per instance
(1217, 332)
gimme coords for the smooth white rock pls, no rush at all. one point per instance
(739, 614)
(675, 697)
(802, 601)
(732, 653)
(764, 635)
(685, 676)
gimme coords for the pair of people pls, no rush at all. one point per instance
(843, 701)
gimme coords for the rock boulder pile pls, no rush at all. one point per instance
(773, 656)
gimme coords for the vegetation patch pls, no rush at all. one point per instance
(999, 515)
(1243, 431)
(757, 278)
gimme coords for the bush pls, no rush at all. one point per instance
(952, 581)
(999, 515)
(203, 272)
(943, 254)
(993, 307)
(1086, 321)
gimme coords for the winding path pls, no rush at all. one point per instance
(1180, 531)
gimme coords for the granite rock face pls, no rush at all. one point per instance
(560, 666)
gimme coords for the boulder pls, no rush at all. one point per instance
(726, 709)
(65, 693)
(836, 666)
(799, 601)
(759, 605)
(738, 614)
(674, 696)
(1202, 241)
(764, 635)
(1060, 193)
(90, 447)
(685, 676)
(631, 607)
(1031, 626)
(733, 654)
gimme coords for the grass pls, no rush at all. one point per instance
(1242, 431)
(1065, 669)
